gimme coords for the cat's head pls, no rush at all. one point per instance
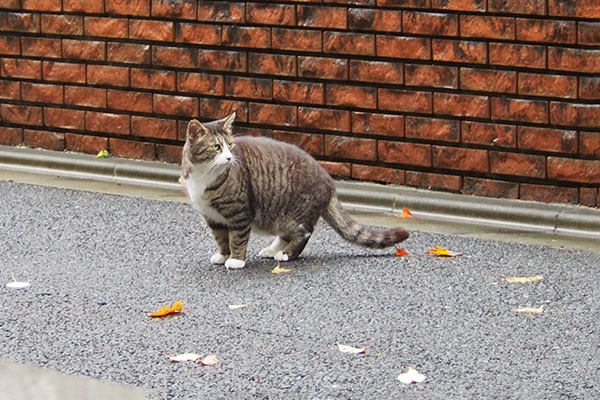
(210, 142)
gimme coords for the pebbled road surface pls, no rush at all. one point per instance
(98, 264)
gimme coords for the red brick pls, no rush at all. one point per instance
(460, 158)
(298, 92)
(433, 181)
(25, 115)
(40, 47)
(169, 153)
(221, 60)
(519, 110)
(11, 136)
(349, 43)
(128, 7)
(254, 132)
(152, 79)
(413, 154)
(431, 75)
(175, 105)
(337, 169)
(253, 88)
(479, 26)
(151, 30)
(459, 51)
(107, 75)
(490, 188)
(19, 22)
(404, 47)
(221, 11)
(488, 80)
(311, 143)
(378, 124)
(129, 53)
(588, 196)
(62, 24)
(544, 139)
(14, 4)
(322, 67)
(459, 5)
(548, 194)
(175, 56)
(84, 6)
(17, 68)
(10, 90)
(351, 96)
(44, 139)
(65, 72)
(271, 14)
(376, 71)
(83, 50)
(588, 33)
(64, 118)
(10, 45)
(589, 143)
(518, 55)
(272, 114)
(351, 148)
(428, 23)
(197, 33)
(246, 36)
(159, 128)
(363, 19)
(489, 134)
(438, 129)
(131, 149)
(322, 17)
(518, 6)
(583, 115)
(106, 27)
(85, 96)
(377, 174)
(461, 105)
(218, 108)
(107, 122)
(579, 60)
(547, 85)
(404, 3)
(296, 39)
(129, 101)
(405, 100)
(193, 82)
(574, 8)
(517, 164)
(539, 30)
(42, 93)
(180, 9)
(272, 64)
(41, 5)
(85, 143)
(324, 119)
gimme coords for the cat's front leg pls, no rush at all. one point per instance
(238, 243)
(221, 235)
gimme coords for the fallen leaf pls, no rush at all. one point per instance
(411, 376)
(16, 284)
(185, 357)
(442, 252)
(403, 253)
(405, 213)
(209, 360)
(237, 306)
(523, 279)
(279, 269)
(103, 154)
(530, 310)
(166, 310)
(352, 350)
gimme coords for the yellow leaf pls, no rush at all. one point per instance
(442, 252)
(402, 253)
(279, 270)
(405, 213)
(530, 310)
(523, 279)
(166, 310)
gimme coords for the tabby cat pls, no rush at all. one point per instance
(241, 184)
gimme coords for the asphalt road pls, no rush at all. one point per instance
(98, 264)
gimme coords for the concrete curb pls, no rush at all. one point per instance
(512, 215)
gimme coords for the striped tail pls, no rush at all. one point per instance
(354, 232)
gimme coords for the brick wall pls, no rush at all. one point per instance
(497, 98)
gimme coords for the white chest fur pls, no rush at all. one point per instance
(195, 185)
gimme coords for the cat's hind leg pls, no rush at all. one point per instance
(295, 245)
(270, 251)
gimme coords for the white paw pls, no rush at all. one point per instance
(232, 263)
(280, 256)
(267, 252)
(218, 259)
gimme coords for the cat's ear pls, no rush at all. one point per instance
(195, 130)
(227, 122)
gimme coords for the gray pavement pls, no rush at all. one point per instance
(99, 263)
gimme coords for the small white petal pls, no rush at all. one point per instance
(411, 376)
(17, 285)
(209, 360)
(237, 306)
(351, 350)
(185, 357)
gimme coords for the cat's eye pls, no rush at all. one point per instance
(217, 147)
(231, 145)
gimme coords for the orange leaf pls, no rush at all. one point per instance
(402, 253)
(405, 213)
(442, 252)
(166, 310)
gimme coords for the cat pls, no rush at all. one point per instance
(242, 184)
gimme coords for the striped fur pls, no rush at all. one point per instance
(241, 184)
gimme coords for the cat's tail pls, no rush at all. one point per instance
(354, 232)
